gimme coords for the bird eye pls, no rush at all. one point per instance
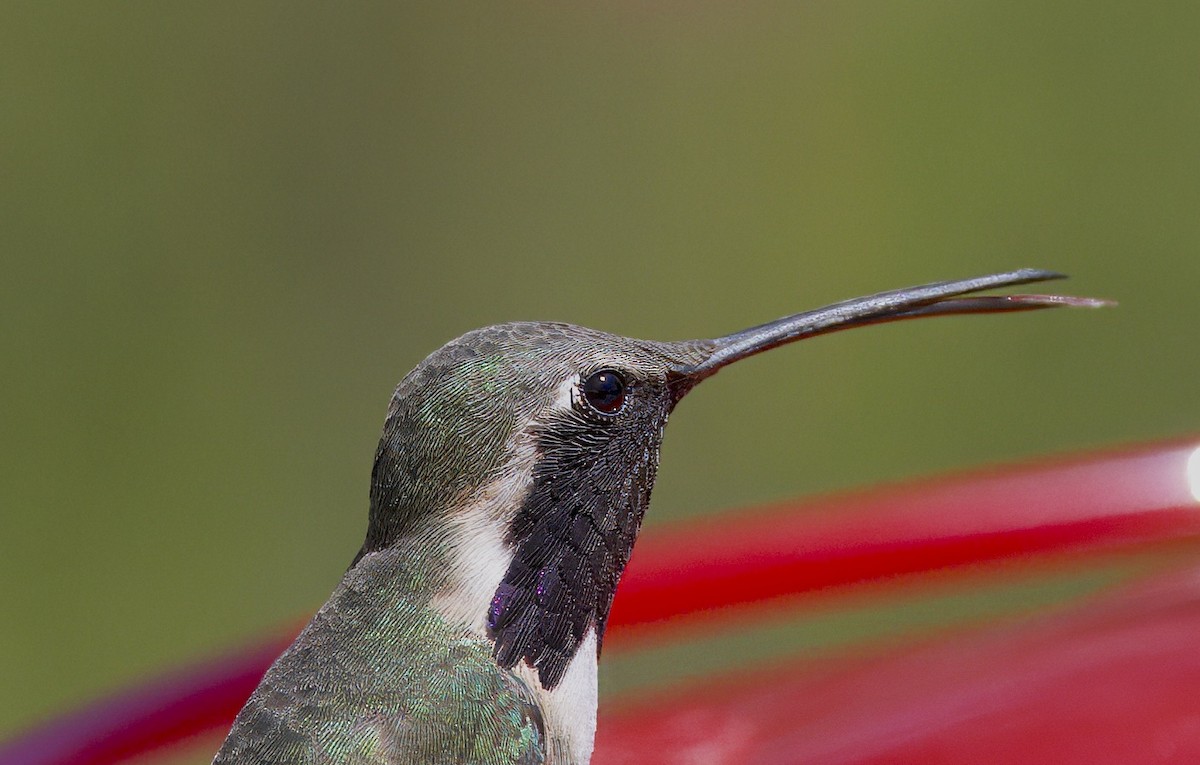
(604, 391)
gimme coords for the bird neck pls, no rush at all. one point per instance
(476, 554)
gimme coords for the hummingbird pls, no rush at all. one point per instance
(508, 488)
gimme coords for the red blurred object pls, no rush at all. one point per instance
(1115, 680)
(198, 699)
(1096, 503)
(1112, 683)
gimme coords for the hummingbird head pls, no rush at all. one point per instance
(529, 451)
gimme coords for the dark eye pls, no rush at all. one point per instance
(604, 391)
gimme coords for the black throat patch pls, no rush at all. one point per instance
(571, 539)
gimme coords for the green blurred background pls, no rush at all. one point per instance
(228, 230)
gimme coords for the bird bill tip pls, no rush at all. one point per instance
(1066, 301)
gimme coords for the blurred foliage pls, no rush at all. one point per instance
(229, 229)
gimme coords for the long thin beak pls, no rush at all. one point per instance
(938, 299)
